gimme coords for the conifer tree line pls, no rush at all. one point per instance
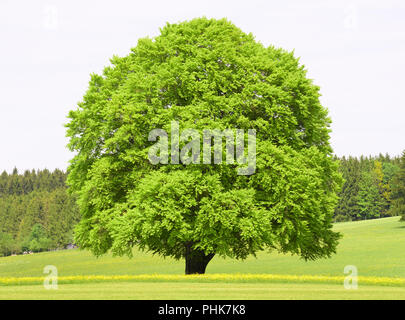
(38, 214)
(374, 188)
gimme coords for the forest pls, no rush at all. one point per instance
(37, 213)
(373, 188)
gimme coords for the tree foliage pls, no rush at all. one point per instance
(398, 190)
(35, 198)
(37, 240)
(204, 74)
(367, 191)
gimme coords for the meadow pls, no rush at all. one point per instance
(375, 247)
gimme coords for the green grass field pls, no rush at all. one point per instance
(206, 291)
(375, 247)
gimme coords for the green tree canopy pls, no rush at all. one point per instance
(204, 74)
(37, 240)
(6, 244)
(398, 191)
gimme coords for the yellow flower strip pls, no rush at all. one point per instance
(207, 278)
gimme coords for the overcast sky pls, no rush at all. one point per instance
(354, 50)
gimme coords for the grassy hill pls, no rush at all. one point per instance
(375, 247)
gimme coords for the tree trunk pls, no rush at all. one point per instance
(196, 261)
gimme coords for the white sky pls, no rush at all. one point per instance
(354, 50)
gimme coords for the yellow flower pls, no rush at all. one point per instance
(237, 277)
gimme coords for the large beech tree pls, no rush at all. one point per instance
(204, 74)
